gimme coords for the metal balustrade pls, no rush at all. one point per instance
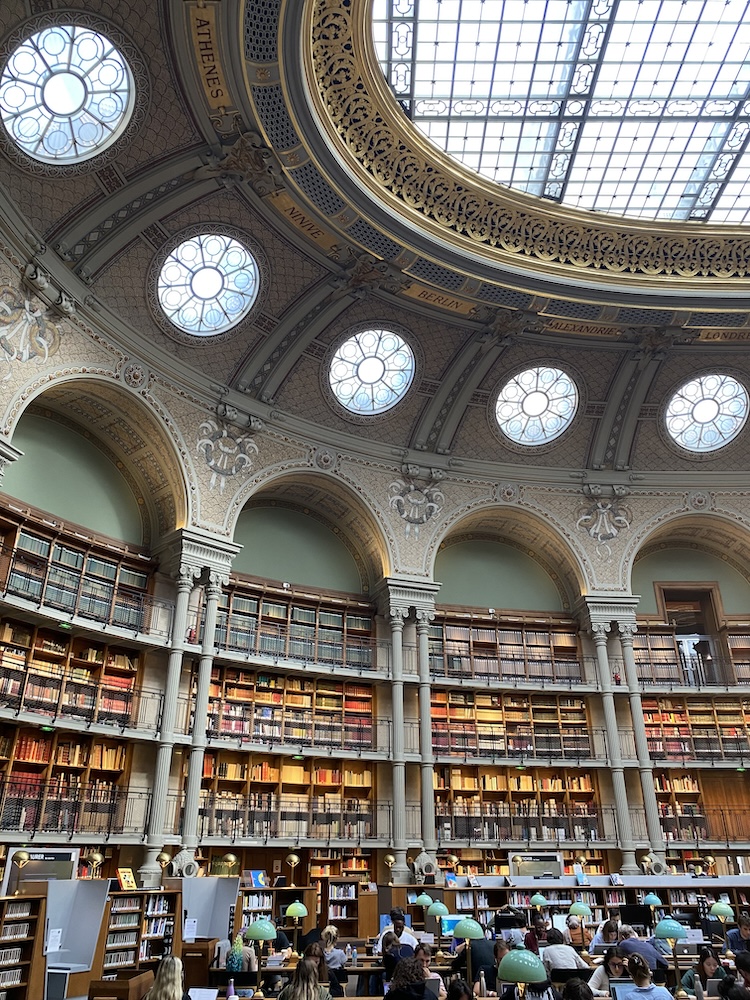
(130, 611)
(537, 743)
(509, 821)
(266, 728)
(34, 807)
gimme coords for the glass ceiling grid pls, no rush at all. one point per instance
(520, 90)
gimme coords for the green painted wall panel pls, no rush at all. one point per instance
(492, 575)
(689, 565)
(66, 475)
(283, 544)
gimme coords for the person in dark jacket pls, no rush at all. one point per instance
(482, 954)
(408, 982)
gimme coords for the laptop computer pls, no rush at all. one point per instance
(599, 949)
(618, 991)
(432, 987)
(688, 947)
(712, 987)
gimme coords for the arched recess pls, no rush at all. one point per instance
(531, 537)
(121, 425)
(720, 546)
(331, 506)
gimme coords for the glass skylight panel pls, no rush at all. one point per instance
(208, 284)
(707, 412)
(670, 77)
(371, 371)
(537, 405)
(66, 94)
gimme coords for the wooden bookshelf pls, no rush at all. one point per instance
(49, 672)
(139, 927)
(248, 794)
(351, 907)
(22, 963)
(262, 707)
(510, 724)
(499, 803)
(309, 627)
(506, 649)
(680, 803)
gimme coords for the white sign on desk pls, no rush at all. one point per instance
(190, 930)
(54, 939)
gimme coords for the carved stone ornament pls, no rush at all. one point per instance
(247, 160)
(604, 518)
(415, 498)
(27, 334)
(135, 375)
(227, 454)
(354, 104)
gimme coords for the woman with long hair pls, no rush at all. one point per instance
(640, 973)
(408, 981)
(613, 967)
(169, 981)
(707, 967)
(304, 984)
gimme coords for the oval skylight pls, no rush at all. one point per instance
(371, 371)
(536, 406)
(707, 412)
(208, 284)
(635, 107)
(66, 94)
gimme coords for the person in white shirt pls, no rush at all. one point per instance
(398, 926)
(558, 955)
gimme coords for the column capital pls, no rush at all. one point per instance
(188, 552)
(407, 592)
(627, 630)
(8, 453)
(424, 616)
(398, 615)
(600, 631)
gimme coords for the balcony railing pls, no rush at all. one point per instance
(33, 807)
(131, 611)
(268, 726)
(56, 694)
(509, 822)
(509, 672)
(486, 741)
(266, 816)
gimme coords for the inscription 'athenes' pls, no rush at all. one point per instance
(203, 25)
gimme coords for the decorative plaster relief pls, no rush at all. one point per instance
(27, 331)
(604, 518)
(415, 497)
(227, 452)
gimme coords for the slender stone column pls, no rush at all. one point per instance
(622, 811)
(200, 720)
(653, 826)
(400, 872)
(150, 871)
(427, 757)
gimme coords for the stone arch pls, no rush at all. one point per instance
(338, 506)
(131, 434)
(526, 531)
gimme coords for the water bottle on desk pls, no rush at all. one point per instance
(230, 989)
(354, 956)
(348, 952)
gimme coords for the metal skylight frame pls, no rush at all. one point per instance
(686, 147)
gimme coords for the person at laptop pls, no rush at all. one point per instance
(631, 944)
(738, 939)
(742, 965)
(537, 935)
(707, 967)
(304, 984)
(575, 934)
(607, 934)
(408, 981)
(558, 955)
(482, 954)
(500, 949)
(612, 968)
(424, 953)
(399, 928)
(642, 988)
(733, 989)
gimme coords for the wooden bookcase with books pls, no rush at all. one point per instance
(48, 672)
(511, 724)
(22, 964)
(56, 779)
(688, 728)
(498, 803)
(330, 863)
(263, 707)
(680, 803)
(139, 927)
(260, 795)
(351, 906)
(505, 649)
(269, 620)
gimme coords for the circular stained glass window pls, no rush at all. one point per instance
(707, 412)
(66, 94)
(208, 284)
(371, 371)
(536, 406)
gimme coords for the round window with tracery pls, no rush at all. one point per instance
(66, 94)
(536, 406)
(707, 412)
(371, 371)
(208, 284)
